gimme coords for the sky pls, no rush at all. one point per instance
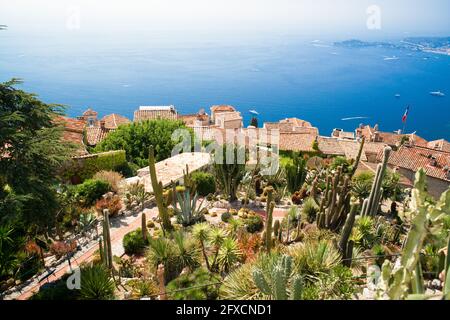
(334, 18)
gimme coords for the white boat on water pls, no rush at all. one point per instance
(437, 94)
(397, 95)
(254, 112)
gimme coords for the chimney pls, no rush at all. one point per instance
(433, 161)
(102, 124)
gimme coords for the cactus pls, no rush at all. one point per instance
(280, 281)
(161, 281)
(269, 220)
(296, 173)
(335, 202)
(100, 250)
(345, 235)
(377, 191)
(358, 158)
(107, 240)
(229, 175)
(158, 192)
(144, 227)
(276, 228)
(407, 279)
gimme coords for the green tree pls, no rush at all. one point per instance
(135, 138)
(31, 152)
(254, 122)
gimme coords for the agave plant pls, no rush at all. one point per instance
(281, 282)
(188, 213)
(96, 283)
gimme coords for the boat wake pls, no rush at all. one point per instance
(354, 118)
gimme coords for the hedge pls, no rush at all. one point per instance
(81, 168)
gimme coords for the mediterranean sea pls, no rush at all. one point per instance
(279, 77)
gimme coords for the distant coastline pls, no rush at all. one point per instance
(437, 45)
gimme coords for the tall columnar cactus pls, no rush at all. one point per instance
(335, 202)
(230, 172)
(407, 279)
(161, 281)
(269, 220)
(277, 229)
(345, 235)
(144, 226)
(158, 192)
(280, 284)
(376, 192)
(107, 249)
(358, 158)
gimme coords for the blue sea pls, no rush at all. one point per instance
(279, 77)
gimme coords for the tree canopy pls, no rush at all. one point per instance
(31, 151)
(136, 138)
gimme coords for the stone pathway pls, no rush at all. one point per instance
(120, 226)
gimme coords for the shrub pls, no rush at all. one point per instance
(254, 224)
(111, 177)
(80, 169)
(134, 243)
(61, 248)
(197, 282)
(226, 216)
(113, 204)
(90, 191)
(204, 183)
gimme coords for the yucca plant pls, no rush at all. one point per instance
(310, 210)
(217, 237)
(229, 255)
(186, 250)
(96, 283)
(201, 233)
(163, 251)
(312, 258)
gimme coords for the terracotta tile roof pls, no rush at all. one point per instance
(390, 138)
(73, 132)
(330, 146)
(348, 148)
(292, 125)
(296, 122)
(113, 121)
(90, 113)
(95, 135)
(188, 119)
(141, 115)
(292, 141)
(222, 108)
(442, 145)
(413, 158)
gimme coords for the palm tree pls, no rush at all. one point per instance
(201, 233)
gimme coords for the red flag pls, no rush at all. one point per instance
(405, 115)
